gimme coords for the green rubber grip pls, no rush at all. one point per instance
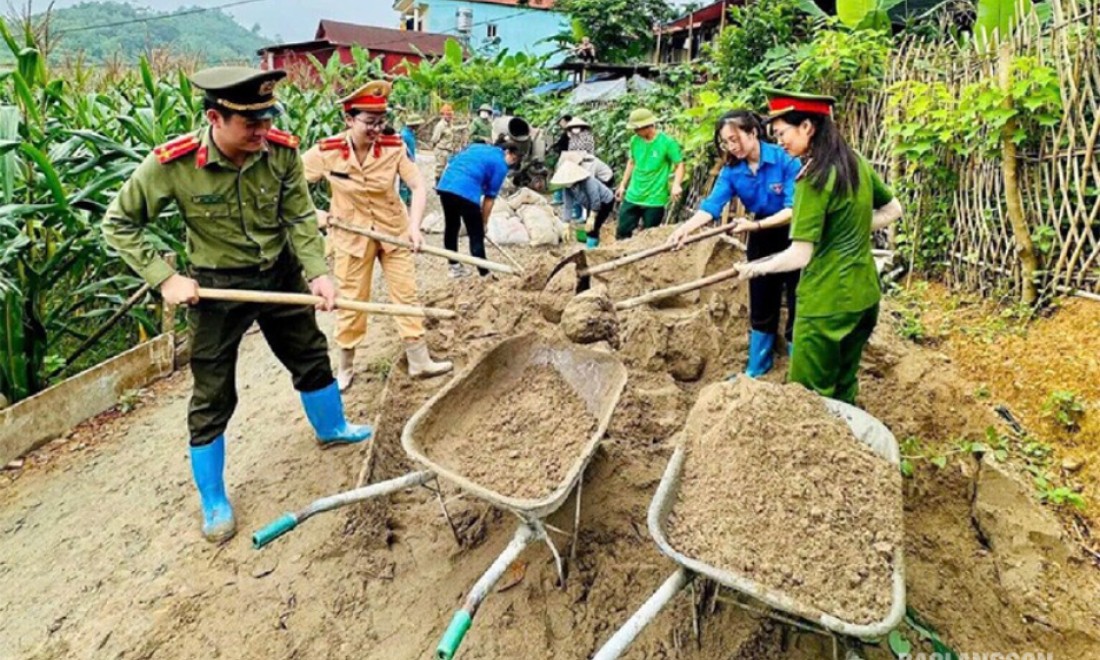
(280, 526)
(448, 646)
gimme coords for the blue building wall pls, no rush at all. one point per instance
(519, 28)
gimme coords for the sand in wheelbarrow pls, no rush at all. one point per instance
(520, 442)
(778, 490)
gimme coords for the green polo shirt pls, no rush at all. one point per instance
(653, 165)
(841, 275)
(235, 218)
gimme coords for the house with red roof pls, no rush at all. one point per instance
(335, 39)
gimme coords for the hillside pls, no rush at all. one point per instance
(211, 35)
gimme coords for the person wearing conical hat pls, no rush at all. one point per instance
(239, 185)
(481, 128)
(595, 199)
(362, 166)
(839, 201)
(645, 190)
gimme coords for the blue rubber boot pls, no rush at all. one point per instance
(325, 411)
(207, 466)
(592, 243)
(761, 345)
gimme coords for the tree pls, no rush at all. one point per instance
(621, 29)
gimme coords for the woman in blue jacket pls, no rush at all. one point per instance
(467, 190)
(762, 176)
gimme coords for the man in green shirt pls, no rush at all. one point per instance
(240, 187)
(644, 190)
(839, 201)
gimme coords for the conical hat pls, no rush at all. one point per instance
(569, 173)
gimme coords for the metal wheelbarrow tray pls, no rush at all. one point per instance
(597, 377)
(869, 431)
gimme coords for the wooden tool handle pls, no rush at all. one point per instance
(280, 298)
(653, 251)
(426, 249)
(661, 294)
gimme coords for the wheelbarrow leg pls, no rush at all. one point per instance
(464, 618)
(633, 627)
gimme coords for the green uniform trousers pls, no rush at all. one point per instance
(630, 214)
(827, 351)
(218, 326)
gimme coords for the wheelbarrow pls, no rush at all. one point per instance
(778, 605)
(597, 377)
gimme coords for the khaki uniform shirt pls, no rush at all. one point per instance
(444, 137)
(363, 194)
(235, 218)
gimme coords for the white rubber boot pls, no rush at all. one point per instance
(345, 374)
(420, 361)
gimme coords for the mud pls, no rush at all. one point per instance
(776, 489)
(520, 438)
(100, 556)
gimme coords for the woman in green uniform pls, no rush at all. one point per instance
(839, 201)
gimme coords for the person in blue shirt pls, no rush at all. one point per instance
(467, 191)
(762, 175)
(408, 136)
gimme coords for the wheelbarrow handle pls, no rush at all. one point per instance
(649, 610)
(289, 521)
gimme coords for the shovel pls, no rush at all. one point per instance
(661, 294)
(426, 249)
(278, 298)
(584, 273)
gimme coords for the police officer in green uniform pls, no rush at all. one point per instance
(839, 201)
(239, 185)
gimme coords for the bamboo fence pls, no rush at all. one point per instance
(1058, 181)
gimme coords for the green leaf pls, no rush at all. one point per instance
(452, 53)
(899, 644)
(49, 174)
(939, 461)
(997, 19)
(852, 12)
(811, 8)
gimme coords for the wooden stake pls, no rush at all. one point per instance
(661, 294)
(426, 249)
(279, 298)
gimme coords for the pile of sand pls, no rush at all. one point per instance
(778, 490)
(672, 353)
(521, 441)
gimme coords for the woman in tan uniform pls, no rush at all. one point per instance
(362, 166)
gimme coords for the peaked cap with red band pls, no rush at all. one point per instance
(372, 97)
(781, 102)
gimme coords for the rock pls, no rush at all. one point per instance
(15, 465)
(590, 317)
(1024, 537)
(1072, 464)
(3, 402)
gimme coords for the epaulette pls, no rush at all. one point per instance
(177, 148)
(283, 138)
(337, 143)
